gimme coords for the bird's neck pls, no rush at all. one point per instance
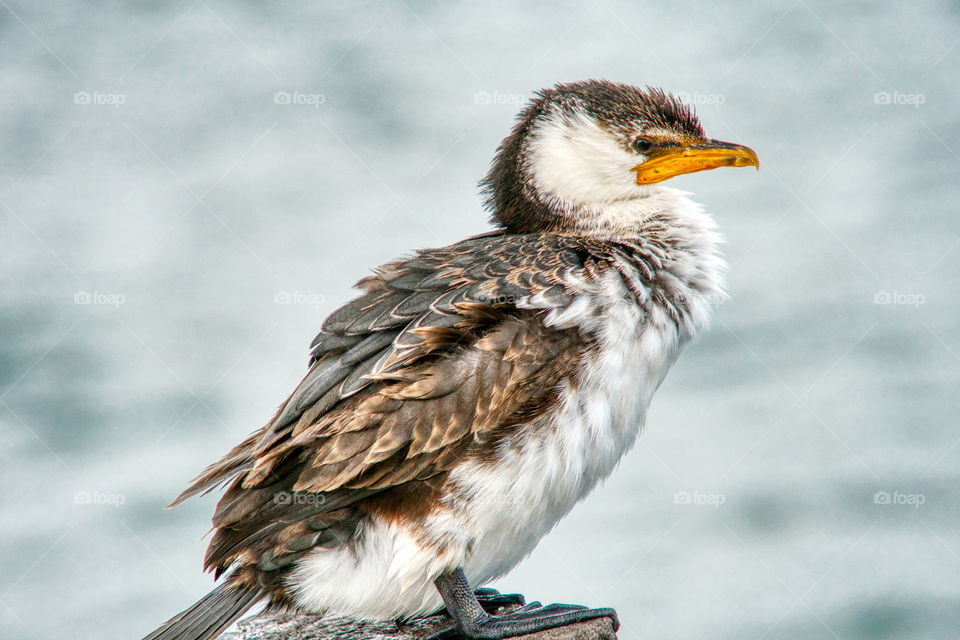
(656, 213)
(653, 213)
(662, 224)
(672, 235)
(669, 232)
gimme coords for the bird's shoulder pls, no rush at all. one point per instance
(435, 303)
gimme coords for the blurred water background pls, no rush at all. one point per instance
(188, 188)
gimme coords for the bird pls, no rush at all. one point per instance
(471, 395)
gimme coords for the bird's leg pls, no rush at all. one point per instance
(492, 600)
(475, 623)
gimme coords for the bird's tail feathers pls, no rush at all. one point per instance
(211, 615)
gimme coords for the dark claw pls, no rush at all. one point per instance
(530, 606)
(491, 600)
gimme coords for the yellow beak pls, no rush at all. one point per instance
(666, 162)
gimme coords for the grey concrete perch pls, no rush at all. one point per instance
(311, 627)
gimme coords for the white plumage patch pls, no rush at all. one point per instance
(576, 163)
(388, 574)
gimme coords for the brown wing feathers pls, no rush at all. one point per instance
(441, 355)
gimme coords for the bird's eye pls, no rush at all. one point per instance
(642, 145)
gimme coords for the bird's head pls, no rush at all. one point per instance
(580, 146)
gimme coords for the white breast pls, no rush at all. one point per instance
(555, 462)
(501, 510)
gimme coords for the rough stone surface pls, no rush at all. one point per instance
(311, 627)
